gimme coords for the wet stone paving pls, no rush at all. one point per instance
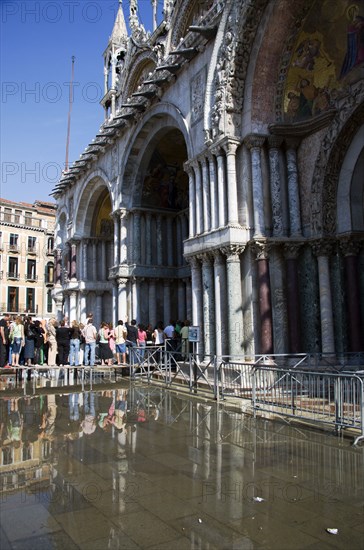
(128, 466)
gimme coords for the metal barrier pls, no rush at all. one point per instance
(331, 398)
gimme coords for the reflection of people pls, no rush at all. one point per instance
(355, 41)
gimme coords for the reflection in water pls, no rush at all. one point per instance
(135, 466)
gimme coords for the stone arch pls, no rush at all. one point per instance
(61, 228)
(334, 148)
(159, 120)
(145, 62)
(184, 15)
(350, 190)
(90, 193)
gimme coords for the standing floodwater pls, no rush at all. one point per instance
(139, 467)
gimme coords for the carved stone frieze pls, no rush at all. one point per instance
(232, 65)
(338, 137)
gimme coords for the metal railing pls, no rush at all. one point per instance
(331, 392)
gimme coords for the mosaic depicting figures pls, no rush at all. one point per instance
(328, 55)
(165, 185)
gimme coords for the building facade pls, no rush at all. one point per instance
(225, 182)
(27, 258)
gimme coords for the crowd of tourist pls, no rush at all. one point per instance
(25, 341)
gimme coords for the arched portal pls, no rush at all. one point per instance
(157, 226)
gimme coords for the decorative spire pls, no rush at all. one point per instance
(119, 33)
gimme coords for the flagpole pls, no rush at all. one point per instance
(69, 113)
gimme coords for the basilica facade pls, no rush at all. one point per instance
(225, 184)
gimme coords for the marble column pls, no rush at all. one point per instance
(208, 304)
(274, 144)
(83, 306)
(188, 299)
(122, 298)
(58, 261)
(198, 198)
(196, 283)
(84, 260)
(170, 241)
(136, 237)
(134, 299)
(254, 144)
(191, 199)
(213, 193)
(205, 196)
(116, 219)
(181, 300)
(103, 266)
(73, 274)
(293, 189)
(94, 260)
(220, 303)
(230, 147)
(98, 309)
(67, 306)
(159, 239)
(114, 302)
(73, 307)
(291, 253)
(261, 251)
(152, 302)
(148, 238)
(322, 251)
(350, 250)
(221, 186)
(123, 253)
(166, 300)
(179, 237)
(234, 298)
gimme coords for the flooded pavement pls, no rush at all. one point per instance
(131, 466)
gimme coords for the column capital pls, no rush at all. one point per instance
(349, 246)
(193, 261)
(230, 145)
(121, 280)
(206, 258)
(219, 258)
(322, 247)
(123, 213)
(274, 142)
(261, 249)
(233, 251)
(254, 141)
(291, 250)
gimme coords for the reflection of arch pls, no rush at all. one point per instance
(159, 121)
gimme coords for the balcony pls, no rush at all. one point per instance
(31, 278)
(32, 250)
(13, 275)
(14, 248)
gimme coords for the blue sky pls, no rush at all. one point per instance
(38, 40)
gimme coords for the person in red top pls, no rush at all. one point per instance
(141, 340)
